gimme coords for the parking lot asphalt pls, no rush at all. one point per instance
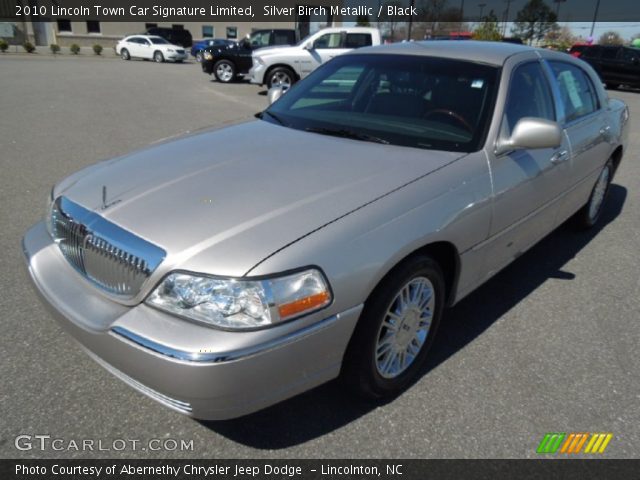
(549, 345)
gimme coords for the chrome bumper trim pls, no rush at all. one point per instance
(175, 404)
(218, 357)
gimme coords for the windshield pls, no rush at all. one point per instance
(158, 41)
(407, 100)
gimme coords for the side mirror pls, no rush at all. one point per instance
(275, 93)
(308, 46)
(532, 133)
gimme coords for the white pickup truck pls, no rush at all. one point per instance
(283, 66)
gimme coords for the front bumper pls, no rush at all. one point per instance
(207, 66)
(191, 368)
(256, 74)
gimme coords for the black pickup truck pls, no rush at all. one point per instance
(616, 65)
(227, 63)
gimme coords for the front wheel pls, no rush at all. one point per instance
(199, 57)
(158, 57)
(396, 329)
(225, 71)
(281, 77)
(124, 54)
(589, 214)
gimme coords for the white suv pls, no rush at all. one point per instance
(283, 66)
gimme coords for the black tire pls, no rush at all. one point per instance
(612, 86)
(158, 57)
(124, 54)
(590, 213)
(281, 76)
(361, 371)
(224, 71)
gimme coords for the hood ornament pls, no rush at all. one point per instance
(106, 205)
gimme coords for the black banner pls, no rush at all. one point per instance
(319, 469)
(342, 10)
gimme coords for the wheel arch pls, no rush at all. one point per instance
(616, 157)
(445, 254)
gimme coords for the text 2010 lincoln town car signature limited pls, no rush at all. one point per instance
(228, 270)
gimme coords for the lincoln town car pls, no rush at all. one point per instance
(230, 269)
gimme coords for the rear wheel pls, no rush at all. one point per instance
(124, 54)
(225, 71)
(281, 77)
(158, 57)
(589, 214)
(396, 329)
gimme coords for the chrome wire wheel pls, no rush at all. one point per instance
(405, 327)
(224, 72)
(599, 192)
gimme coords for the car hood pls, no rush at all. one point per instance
(280, 50)
(221, 201)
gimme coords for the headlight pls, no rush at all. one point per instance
(258, 61)
(208, 55)
(170, 50)
(241, 304)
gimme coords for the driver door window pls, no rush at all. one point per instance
(529, 96)
(328, 40)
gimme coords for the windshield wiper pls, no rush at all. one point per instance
(272, 115)
(345, 133)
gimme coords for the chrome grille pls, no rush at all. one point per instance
(106, 254)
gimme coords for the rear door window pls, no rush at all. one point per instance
(283, 38)
(328, 40)
(577, 93)
(357, 40)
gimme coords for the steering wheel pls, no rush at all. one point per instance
(450, 114)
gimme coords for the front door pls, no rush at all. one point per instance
(527, 183)
(324, 48)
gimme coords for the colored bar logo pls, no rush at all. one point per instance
(573, 443)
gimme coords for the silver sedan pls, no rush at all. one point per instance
(228, 270)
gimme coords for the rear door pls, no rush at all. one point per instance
(135, 47)
(584, 120)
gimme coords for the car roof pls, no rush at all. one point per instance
(494, 53)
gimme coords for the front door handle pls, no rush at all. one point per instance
(559, 157)
(604, 130)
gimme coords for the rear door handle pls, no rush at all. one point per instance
(559, 157)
